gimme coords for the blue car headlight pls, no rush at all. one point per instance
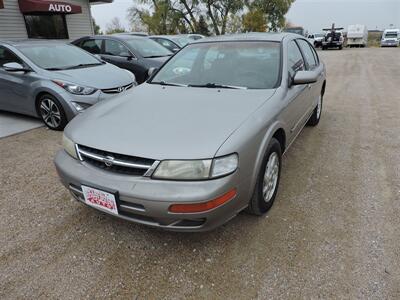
(75, 88)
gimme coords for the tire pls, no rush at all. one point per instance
(261, 202)
(316, 115)
(323, 48)
(51, 112)
(340, 47)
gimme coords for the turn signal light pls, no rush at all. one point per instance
(202, 207)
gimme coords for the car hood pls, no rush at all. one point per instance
(157, 122)
(104, 76)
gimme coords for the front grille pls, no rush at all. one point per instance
(118, 90)
(114, 162)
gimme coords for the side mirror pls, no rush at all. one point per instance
(305, 77)
(15, 67)
(127, 55)
(151, 71)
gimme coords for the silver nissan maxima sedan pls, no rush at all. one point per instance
(202, 139)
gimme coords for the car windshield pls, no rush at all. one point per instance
(147, 47)
(58, 57)
(251, 65)
(391, 35)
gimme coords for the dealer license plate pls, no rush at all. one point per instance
(100, 199)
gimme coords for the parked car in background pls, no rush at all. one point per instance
(316, 39)
(295, 29)
(133, 53)
(55, 81)
(357, 36)
(213, 139)
(195, 36)
(390, 38)
(132, 33)
(172, 42)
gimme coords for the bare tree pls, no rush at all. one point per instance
(115, 26)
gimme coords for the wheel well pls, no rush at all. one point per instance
(323, 88)
(281, 137)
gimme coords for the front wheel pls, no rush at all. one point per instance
(267, 181)
(316, 116)
(52, 112)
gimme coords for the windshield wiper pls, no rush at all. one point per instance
(54, 69)
(82, 66)
(218, 86)
(156, 56)
(170, 84)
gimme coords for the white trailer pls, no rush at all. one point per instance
(357, 36)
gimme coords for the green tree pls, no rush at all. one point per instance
(254, 21)
(96, 28)
(219, 11)
(184, 16)
(234, 24)
(202, 26)
(274, 10)
(167, 16)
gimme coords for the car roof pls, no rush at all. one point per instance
(252, 36)
(121, 37)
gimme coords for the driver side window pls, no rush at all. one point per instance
(295, 59)
(115, 48)
(6, 56)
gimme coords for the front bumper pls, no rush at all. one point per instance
(146, 201)
(389, 44)
(332, 44)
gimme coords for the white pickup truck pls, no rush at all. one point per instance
(390, 38)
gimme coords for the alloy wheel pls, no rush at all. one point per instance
(50, 113)
(271, 176)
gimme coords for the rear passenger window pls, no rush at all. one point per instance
(295, 59)
(311, 60)
(92, 46)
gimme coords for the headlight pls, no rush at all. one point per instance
(183, 169)
(196, 169)
(69, 146)
(75, 88)
(224, 165)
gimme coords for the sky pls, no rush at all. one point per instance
(313, 15)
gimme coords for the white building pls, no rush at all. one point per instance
(46, 19)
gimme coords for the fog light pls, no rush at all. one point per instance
(204, 206)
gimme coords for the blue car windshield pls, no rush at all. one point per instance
(58, 57)
(241, 64)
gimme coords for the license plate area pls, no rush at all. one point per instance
(100, 199)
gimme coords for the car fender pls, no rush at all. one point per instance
(51, 88)
(269, 133)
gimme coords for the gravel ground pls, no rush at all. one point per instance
(333, 232)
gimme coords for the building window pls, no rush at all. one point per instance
(46, 26)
